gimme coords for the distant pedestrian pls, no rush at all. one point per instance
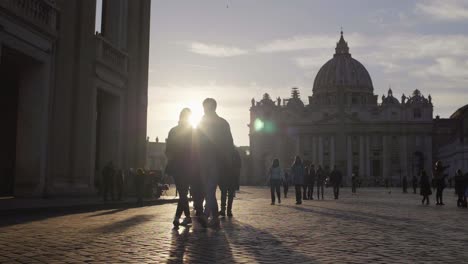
(215, 146)
(460, 186)
(320, 175)
(439, 178)
(297, 171)
(229, 183)
(179, 153)
(354, 183)
(405, 184)
(425, 186)
(305, 186)
(119, 183)
(139, 185)
(312, 179)
(108, 173)
(415, 183)
(275, 177)
(286, 183)
(336, 177)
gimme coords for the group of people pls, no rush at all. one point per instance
(201, 159)
(439, 184)
(113, 180)
(304, 176)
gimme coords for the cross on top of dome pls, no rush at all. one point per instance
(342, 45)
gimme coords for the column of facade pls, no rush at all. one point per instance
(349, 157)
(332, 152)
(320, 155)
(404, 156)
(384, 157)
(361, 156)
(368, 156)
(314, 150)
(428, 153)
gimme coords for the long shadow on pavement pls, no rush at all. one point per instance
(234, 242)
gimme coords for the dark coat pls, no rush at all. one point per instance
(180, 153)
(336, 177)
(460, 184)
(425, 185)
(298, 171)
(320, 174)
(230, 177)
(312, 175)
(215, 140)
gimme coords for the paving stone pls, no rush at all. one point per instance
(370, 227)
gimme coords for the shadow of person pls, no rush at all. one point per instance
(260, 246)
(179, 239)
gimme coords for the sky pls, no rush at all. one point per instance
(236, 50)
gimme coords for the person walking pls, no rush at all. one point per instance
(108, 173)
(229, 183)
(139, 185)
(415, 183)
(179, 155)
(336, 177)
(320, 174)
(460, 186)
(119, 182)
(425, 187)
(286, 182)
(439, 178)
(306, 184)
(354, 183)
(216, 144)
(405, 184)
(275, 177)
(312, 178)
(297, 170)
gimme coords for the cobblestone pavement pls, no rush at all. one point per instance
(372, 226)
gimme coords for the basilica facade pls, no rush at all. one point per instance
(345, 125)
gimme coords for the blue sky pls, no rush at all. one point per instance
(233, 50)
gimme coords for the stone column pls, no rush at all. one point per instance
(361, 156)
(404, 156)
(349, 158)
(384, 156)
(320, 150)
(332, 152)
(368, 156)
(314, 150)
(428, 154)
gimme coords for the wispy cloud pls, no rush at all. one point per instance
(215, 50)
(306, 42)
(444, 9)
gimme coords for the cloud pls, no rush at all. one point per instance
(307, 42)
(214, 50)
(450, 10)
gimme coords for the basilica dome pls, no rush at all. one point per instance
(342, 71)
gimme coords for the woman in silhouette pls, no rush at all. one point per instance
(180, 161)
(297, 171)
(425, 185)
(275, 177)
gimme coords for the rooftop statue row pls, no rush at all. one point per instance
(415, 98)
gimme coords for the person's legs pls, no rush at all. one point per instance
(278, 191)
(224, 191)
(304, 192)
(272, 191)
(231, 195)
(298, 193)
(338, 192)
(321, 188)
(441, 197)
(312, 191)
(285, 189)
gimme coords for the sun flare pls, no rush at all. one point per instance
(197, 113)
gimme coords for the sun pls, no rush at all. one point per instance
(196, 116)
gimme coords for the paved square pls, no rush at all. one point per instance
(372, 226)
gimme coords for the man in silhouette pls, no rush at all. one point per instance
(336, 178)
(216, 146)
(415, 183)
(229, 183)
(312, 177)
(320, 175)
(108, 180)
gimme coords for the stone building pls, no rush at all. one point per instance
(451, 141)
(72, 99)
(155, 155)
(345, 125)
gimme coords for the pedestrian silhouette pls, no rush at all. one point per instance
(275, 177)
(425, 186)
(297, 171)
(179, 153)
(216, 144)
(108, 173)
(229, 183)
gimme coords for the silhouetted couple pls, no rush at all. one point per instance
(200, 159)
